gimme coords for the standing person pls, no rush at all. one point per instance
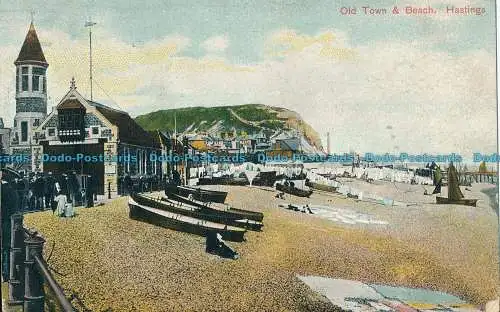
(49, 190)
(61, 200)
(438, 180)
(128, 184)
(63, 184)
(39, 192)
(176, 177)
(31, 192)
(71, 188)
(89, 194)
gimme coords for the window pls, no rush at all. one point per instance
(139, 157)
(52, 131)
(95, 130)
(38, 74)
(17, 80)
(36, 123)
(35, 83)
(15, 123)
(24, 131)
(25, 78)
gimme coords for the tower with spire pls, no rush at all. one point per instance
(31, 92)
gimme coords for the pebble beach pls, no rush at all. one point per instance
(109, 262)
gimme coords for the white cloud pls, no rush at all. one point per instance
(216, 44)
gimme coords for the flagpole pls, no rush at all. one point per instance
(89, 24)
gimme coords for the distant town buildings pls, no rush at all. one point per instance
(278, 143)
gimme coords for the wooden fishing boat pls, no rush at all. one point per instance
(213, 215)
(224, 180)
(455, 196)
(321, 187)
(201, 194)
(293, 190)
(217, 207)
(463, 201)
(183, 223)
(265, 178)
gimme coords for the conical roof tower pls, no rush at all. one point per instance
(31, 51)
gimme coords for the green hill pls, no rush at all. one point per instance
(249, 118)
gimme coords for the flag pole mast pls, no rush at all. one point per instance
(89, 24)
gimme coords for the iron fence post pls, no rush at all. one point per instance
(34, 296)
(16, 271)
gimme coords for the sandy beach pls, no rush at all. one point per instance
(113, 263)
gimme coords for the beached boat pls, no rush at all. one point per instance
(224, 180)
(321, 187)
(199, 194)
(290, 189)
(208, 214)
(455, 195)
(235, 213)
(265, 178)
(183, 223)
(463, 201)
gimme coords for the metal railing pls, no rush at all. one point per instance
(29, 272)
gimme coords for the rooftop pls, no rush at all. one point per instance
(31, 51)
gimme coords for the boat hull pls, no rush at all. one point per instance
(140, 213)
(265, 178)
(321, 187)
(223, 181)
(293, 190)
(232, 213)
(213, 215)
(463, 201)
(203, 195)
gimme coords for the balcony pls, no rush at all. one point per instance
(71, 135)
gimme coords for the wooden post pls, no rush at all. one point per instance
(16, 274)
(34, 295)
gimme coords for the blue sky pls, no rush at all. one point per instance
(247, 22)
(223, 49)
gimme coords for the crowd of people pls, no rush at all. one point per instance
(42, 191)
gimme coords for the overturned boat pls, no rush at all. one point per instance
(235, 213)
(183, 223)
(237, 179)
(321, 187)
(455, 195)
(289, 188)
(198, 193)
(265, 178)
(213, 215)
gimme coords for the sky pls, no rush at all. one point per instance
(390, 83)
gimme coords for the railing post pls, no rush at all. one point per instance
(16, 271)
(34, 296)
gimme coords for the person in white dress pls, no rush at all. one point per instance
(61, 204)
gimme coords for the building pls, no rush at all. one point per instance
(4, 138)
(260, 142)
(31, 94)
(96, 140)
